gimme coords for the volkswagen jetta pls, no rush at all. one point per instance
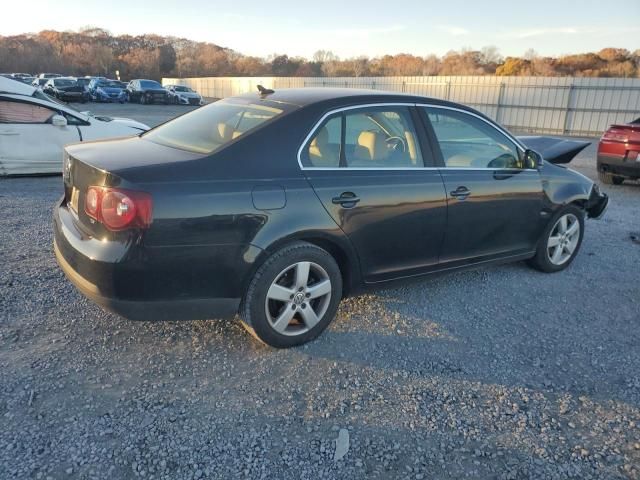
(275, 206)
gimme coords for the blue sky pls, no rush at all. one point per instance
(348, 27)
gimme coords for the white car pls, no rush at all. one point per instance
(34, 129)
(181, 95)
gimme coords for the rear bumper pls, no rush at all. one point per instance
(111, 277)
(158, 310)
(619, 166)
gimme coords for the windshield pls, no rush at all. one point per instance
(149, 84)
(64, 83)
(180, 88)
(83, 81)
(108, 84)
(212, 127)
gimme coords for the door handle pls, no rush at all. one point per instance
(346, 199)
(9, 133)
(460, 193)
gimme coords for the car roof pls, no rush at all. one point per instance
(304, 97)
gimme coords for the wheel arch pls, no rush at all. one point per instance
(339, 248)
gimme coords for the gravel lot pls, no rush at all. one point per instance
(501, 373)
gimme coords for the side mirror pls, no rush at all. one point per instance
(532, 159)
(58, 121)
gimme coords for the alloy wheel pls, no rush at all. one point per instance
(298, 298)
(563, 239)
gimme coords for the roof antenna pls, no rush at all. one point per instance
(265, 91)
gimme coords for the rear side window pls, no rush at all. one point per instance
(20, 112)
(212, 127)
(373, 137)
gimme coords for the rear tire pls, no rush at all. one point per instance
(561, 240)
(293, 296)
(610, 179)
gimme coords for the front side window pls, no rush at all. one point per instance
(469, 142)
(212, 127)
(20, 112)
(375, 137)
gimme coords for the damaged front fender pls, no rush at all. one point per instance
(597, 203)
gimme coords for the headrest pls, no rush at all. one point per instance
(321, 138)
(373, 146)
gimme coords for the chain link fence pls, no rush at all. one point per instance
(545, 105)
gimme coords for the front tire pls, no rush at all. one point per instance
(560, 241)
(293, 296)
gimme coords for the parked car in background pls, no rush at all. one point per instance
(66, 89)
(275, 206)
(182, 95)
(49, 75)
(619, 153)
(39, 82)
(84, 83)
(147, 91)
(105, 90)
(34, 129)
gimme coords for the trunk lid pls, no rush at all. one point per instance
(623, 133)
(126, 163)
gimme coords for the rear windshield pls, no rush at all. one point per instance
(149, 84)
(210, 128)
(64, 83)
(109, 84)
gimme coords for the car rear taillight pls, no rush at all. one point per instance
(117, 208)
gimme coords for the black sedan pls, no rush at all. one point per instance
(66, 89)
(147, 91)
(275, 206)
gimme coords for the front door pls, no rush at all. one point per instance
(29, 143)
(367, 167)
(494, 201)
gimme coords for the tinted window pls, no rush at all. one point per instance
(210, 128)
(149, 84)
(378, 137)
(469, 142)
(19, 112)
(324, 148)
(64, 83)
(108, 84)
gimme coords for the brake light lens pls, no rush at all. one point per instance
(118, 209)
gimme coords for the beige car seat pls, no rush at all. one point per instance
(321, 152)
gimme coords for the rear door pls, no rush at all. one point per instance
(494, 200)
(29, 143)
(371, 169)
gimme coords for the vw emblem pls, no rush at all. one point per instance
(298, 298)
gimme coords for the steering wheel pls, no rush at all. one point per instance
(396, 144)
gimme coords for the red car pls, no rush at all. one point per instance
(619, 153)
